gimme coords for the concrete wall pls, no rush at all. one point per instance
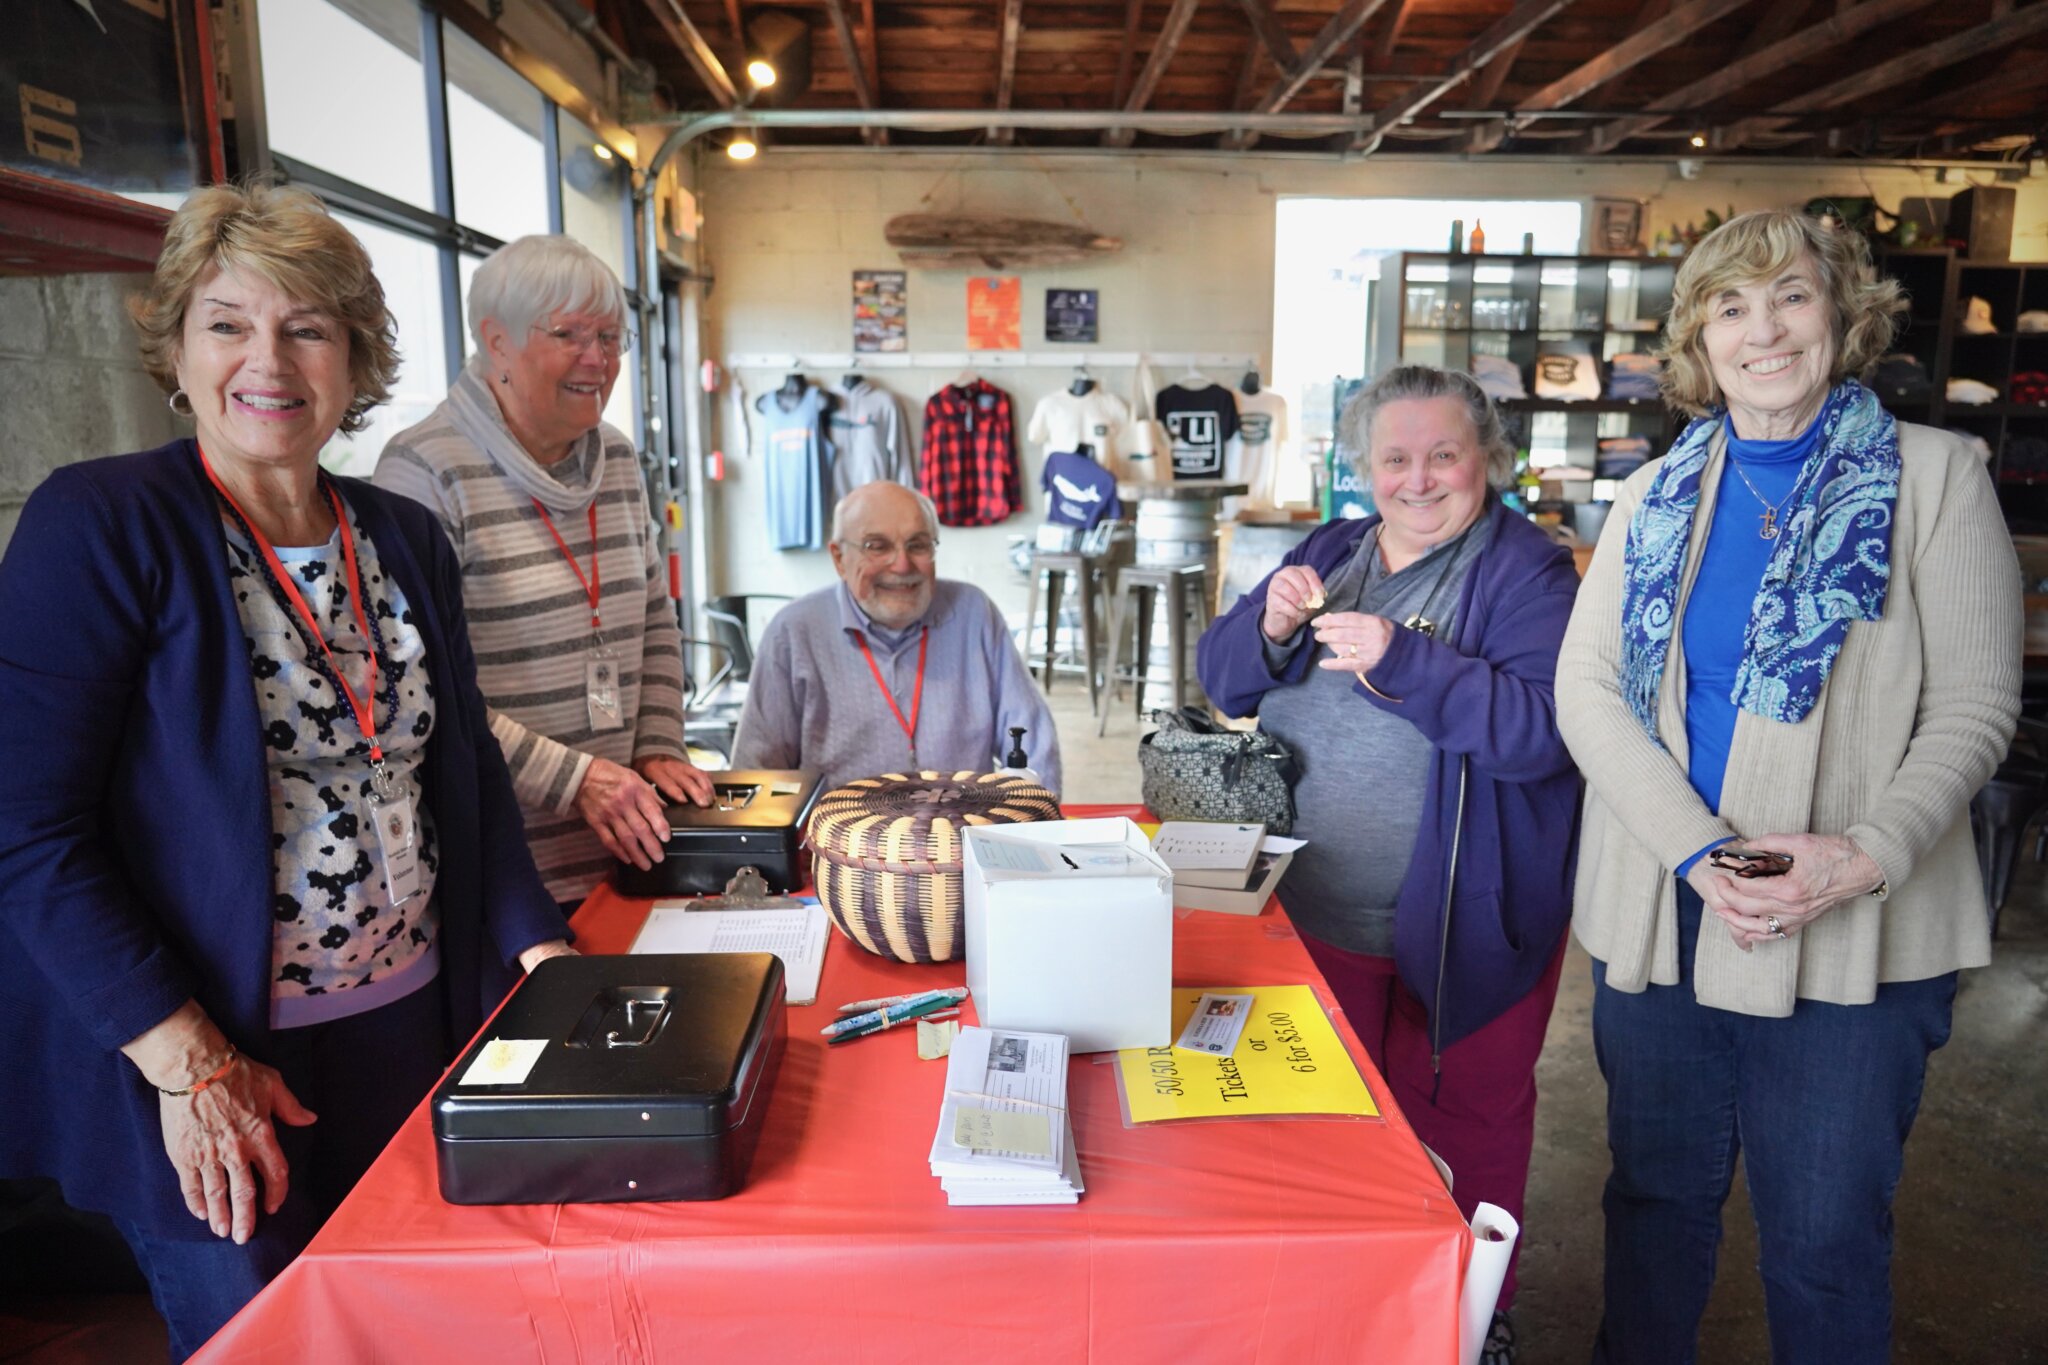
(784, 233)
(71, 385)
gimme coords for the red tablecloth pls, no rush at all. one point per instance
(1250, 1241)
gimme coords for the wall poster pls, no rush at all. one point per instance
(1072, 315)
(995, 310)
(881, 311)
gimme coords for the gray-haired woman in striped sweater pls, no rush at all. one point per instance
(577, 646)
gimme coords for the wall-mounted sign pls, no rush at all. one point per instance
(1073, 315)
(881, 311)
(995, 309)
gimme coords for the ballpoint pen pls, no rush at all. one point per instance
(862, 1006)
(951, 996)
(917, 1011)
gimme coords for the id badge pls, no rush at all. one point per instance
(601, 690)
(398, 847)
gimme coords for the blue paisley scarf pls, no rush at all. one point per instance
(1831, 565)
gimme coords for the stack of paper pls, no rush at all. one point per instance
(1004, 1136)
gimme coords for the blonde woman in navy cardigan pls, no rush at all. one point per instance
(261, 866)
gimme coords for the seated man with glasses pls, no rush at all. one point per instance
(893, 669)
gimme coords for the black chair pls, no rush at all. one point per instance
(2000, 813)
(730, 621)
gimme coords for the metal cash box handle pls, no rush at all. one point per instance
(645, 1018)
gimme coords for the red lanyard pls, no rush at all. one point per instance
(365, 713)
(593, 585)
(924, 642)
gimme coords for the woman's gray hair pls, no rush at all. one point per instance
(529, 280)
(1354, 428)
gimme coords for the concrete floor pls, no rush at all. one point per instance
(1970, 1275)
(1971, 1278)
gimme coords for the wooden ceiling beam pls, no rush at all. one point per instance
(856, 65)
(1134, 14)
(1779, 24)
(1809, 42)
(1674, 26)
(1504, 36)
(1486, 88)
(1339, 30)
(738, 25)
(870, 49)
(675, 24)
(1266, 24)
(1178, 17)
(2014, 27)
(1006, 66)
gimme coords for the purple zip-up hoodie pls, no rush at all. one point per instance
(1485, 702)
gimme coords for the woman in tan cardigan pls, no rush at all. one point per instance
(1794, 659)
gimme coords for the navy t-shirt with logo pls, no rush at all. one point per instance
(1199, 424)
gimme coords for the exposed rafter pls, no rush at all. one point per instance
(1134, 15)
(690, 42)
(1486, 85)
(1383, 46)
(2013, 27)
(1339, 30)
(1672, 27)
(1266, 24)
(1808, 42)
(1006, 64)
(738, 52)
(1781, 22)
(1506, 34)
(1178, 17)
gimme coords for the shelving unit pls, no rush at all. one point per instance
(1445, 309)
(1940, 284)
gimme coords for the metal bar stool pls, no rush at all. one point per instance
(1057, 567)
(1186, 587)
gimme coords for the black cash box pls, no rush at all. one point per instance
(756, 820)
(653, 1083)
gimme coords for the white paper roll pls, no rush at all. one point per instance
(1494, 1230)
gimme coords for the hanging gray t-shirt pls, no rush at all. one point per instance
(1358, 800)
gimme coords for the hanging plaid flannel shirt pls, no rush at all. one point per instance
(969, 463)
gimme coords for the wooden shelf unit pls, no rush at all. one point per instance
(1940, 283)
(1440, 308)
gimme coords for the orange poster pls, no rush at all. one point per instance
(995, 307)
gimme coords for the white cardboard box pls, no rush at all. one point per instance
(1085, 950)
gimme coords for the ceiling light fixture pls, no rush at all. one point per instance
(760, 73)
(1699, 139)
(602, 152)
(742, 147)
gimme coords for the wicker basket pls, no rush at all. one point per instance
(888, 854)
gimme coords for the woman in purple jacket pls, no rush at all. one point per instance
(1407, 660)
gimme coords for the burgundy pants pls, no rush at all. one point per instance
(1480, 1114)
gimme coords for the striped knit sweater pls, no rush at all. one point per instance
(529, 623)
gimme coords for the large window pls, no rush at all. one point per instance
(1326, 270)
(354, 91)
(343, 90)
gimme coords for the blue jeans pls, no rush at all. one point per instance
(1818, 1106)
(362, 1075)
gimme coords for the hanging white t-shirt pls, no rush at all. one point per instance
(1097, 419)
(1262, 434)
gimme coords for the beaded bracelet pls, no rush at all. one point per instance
(233, 1057)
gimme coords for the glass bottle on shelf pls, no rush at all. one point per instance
(1478, 237)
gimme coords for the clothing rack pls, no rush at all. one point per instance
(987, 361)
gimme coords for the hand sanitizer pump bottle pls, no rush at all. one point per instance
(1016, 760)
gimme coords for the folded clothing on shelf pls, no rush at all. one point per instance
(2029, 386)
(1902, 377)
(1498, 377)
(1977, 318)
(2026, 459)
(1633, 376)
(1971, 391)
(1621, 456)
(2034, 320)
(1565, 368)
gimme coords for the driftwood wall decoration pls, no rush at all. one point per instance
(968, 241)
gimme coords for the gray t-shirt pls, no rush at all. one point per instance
(1358, 800)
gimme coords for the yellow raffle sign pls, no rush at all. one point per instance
(1289, 1060)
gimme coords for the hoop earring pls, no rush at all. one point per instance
(172, 403)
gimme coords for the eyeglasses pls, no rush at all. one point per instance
(576, 340)
(876, 550)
